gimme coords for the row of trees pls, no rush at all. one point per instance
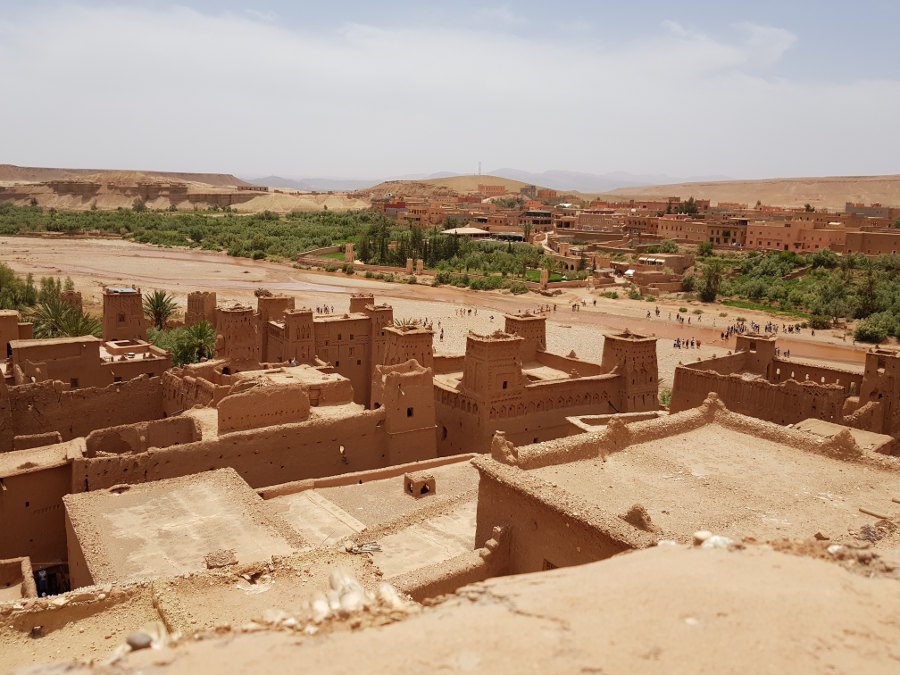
(258, 235)
(827, 286)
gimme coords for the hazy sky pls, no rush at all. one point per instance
(369, 89)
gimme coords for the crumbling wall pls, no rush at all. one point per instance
(263, 406)
(263, 457)
(785, 403)
(789, 370)
(139, 437)
(48, 406)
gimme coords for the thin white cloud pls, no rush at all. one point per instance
(178, 89)
(499, 14)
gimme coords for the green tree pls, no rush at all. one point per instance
(159, 307)
(809, 208)
(199, 340)
(55, 318)
(138, 205)
(705, 249)
(711, 279)
(667, 246)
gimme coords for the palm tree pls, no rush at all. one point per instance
(199, 341)
(55, 318)
(159, 307)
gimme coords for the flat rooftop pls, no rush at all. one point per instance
(302, 374)
(167, 527)
(49, 342)
(412, 532)
(719, 479)
(36, 459)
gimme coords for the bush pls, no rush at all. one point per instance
(687, 283)
(683, 310)
(612, 295)
(517, 288)
(332, 268)
(412, 280)
(704, 249)
(369, 274)
(697, 311)
(820, 322)
(665, 397)
(870, 330)
(347, 268)
(634, 294)
(723, 314)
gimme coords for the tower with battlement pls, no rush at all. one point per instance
(633, 357)
(236, 338)
(201, 306)
(532, 328)
(123, 314)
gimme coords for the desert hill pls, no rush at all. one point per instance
(435, 187)
(83, 189)
(830, 192)
(10, 173)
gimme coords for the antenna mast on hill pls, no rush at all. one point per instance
(479, 167)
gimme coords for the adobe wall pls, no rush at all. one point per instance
(31, 514)
(262, 406)
(448, 364)
(9, 329)
(789, 370)
(36, 440)
(725, 365)
(262, 457)
(123, 316)
(139, 437)
(48, 406)
(76, 362)
(540, 413)
(568, 364)
(184, 388)
(201, 306)
(547, 529)
(785, 403)
(6, 424)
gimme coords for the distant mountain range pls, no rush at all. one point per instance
(555, 179)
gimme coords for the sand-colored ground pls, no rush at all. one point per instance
(830, 192)
(661, 610)
(93, 263)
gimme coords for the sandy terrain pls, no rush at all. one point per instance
(662, 610)
(830, 192)
(94, 263)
